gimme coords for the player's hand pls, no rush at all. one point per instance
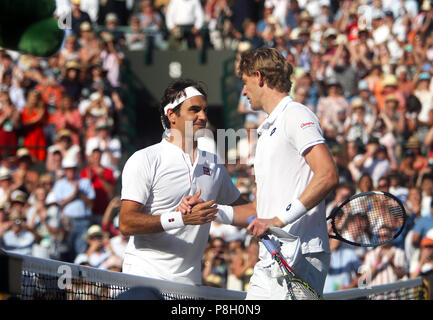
(259, 227)
(201, 213)
(188, 202)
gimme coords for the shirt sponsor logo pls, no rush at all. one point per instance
(171, 220)
(306, 125)
(206, 171)
(273, 130)
(288, 207)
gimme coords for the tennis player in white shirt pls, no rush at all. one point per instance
(164, 242)
(294, 172)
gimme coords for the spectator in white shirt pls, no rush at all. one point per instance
(184, 19)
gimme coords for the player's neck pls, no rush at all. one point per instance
(272, 99)
(188, 146)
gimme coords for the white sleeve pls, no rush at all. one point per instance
(227, 193)
(169, 15)
(199, 16)
(303, 129)
(136, 178)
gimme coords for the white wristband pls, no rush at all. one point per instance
(225, 214)
(293, 212)
(171, 220)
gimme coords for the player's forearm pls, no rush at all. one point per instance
(242, 213)
(319, 187)
(137, 223)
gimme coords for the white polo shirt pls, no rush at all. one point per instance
(282, 173)
(159, 177)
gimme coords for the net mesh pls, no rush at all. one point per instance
(43, 279)
(371, 219)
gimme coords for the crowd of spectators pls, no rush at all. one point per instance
(364, 67)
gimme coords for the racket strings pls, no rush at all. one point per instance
(298, 290)
(371, 219)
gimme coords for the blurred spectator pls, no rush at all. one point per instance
(111, 59)
(215, 264)
(25, 178)
(69, 52)
(422, 262)
(111, 147)
(33, 118)
(63, 147)
(242, 264)
(135, 38)
(75, 197)
(386, 263)
(44, 217)
(10, 123)
(184, 20)
(6, 184)
(343, 269)
(90, 50)
(96, 253)
(17, 237)
(103, 183)
(111, 24)
(151, 22)
(342, 193)
(67, 116)
(329, 107)
(71, 81)
(78, 16)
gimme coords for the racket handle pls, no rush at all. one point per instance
(265, 239)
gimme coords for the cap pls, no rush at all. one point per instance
(85, 26)
(305, 16)
(23, 152)
(69, 162)
(424, 76)
(5, 174)
(72, 64)
(18, 196)
(363, 85)
(413, 142)
(63, 133)
(389, 80)
(94, 230)
(428, 239)
(330, 32)
(391, 97)
(111, 17)
(357, 103)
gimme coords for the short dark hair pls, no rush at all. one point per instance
(172, 92)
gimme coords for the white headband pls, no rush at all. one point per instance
(189, 93)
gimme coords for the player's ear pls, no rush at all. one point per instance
(260, 80)
(171, 116)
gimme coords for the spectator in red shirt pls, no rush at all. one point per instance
(103, 182)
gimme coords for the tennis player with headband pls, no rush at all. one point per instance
(294, 172)
(166, 243)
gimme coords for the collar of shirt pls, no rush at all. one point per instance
(269, 121)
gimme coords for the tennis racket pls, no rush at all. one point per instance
(298, 289)
(368, 219)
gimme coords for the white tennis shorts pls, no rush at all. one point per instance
(268, 284)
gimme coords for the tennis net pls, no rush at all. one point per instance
(31, 278)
